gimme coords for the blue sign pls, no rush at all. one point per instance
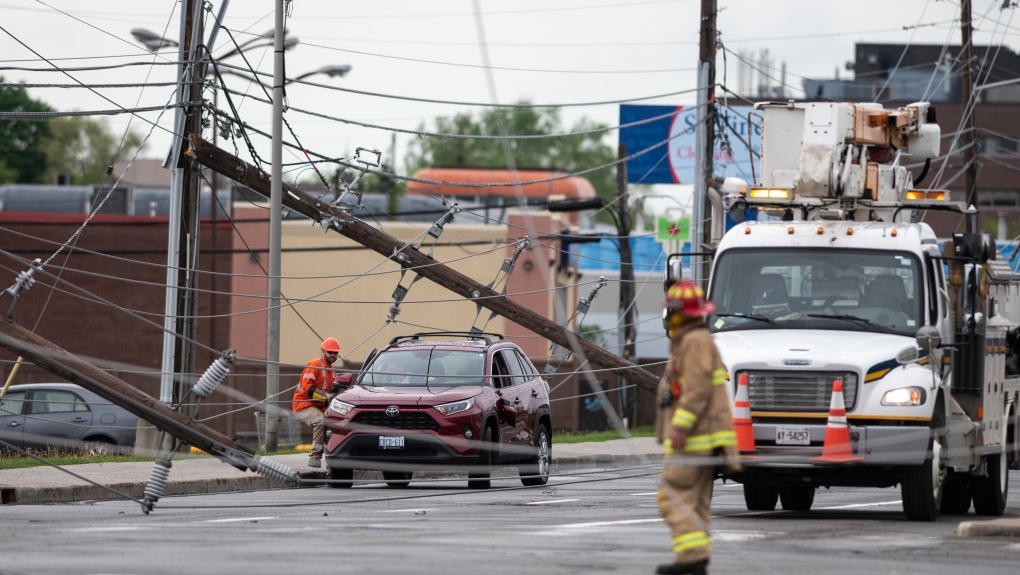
(670, 139)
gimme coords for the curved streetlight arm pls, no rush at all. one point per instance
(333, 71)
(152, 41)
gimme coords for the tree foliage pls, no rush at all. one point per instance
(35, 150)
(570, 154)
(21, 139)
(85, 148)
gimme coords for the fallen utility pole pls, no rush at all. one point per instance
(60, 362)
(244, 173)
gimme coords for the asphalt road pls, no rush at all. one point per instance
(586, 521)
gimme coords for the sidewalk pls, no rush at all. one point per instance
(210, 475)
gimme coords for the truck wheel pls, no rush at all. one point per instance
(760, 497)
(921, 485)
(797, 497)
(990, 492)
(956, 494)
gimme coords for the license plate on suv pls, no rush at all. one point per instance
(793, 436)
(391, 442)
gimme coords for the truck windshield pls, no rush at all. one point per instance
(426, 367)
(858, 290)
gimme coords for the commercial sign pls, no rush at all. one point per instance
(670, 143)
(668, 230)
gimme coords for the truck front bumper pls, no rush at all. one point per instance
(876, 444)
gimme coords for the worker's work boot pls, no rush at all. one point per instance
(315, 462)
(696, 568)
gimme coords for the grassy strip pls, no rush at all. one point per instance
(568, 437)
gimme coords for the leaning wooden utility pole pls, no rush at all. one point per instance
(967, 107)
(62, 363)
(405, 256)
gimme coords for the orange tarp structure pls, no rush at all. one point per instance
(573, 187)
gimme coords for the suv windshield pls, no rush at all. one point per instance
(421, 367)
(799, 288)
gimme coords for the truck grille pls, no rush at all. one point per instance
(412, 420)
(807, 391)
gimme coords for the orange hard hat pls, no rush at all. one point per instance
(687, 299)
(331, 344)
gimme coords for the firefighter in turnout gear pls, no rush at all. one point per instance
(695, 425)
(313, 395)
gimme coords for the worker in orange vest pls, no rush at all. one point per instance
(313, 394)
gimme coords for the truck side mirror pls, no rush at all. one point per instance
(674, 273)
(928, 338)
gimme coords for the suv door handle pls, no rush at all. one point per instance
(13, 424)
(78, 420)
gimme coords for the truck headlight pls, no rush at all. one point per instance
(904, 396)
(341, 407)
(455, 407)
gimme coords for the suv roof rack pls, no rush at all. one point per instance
(466, 334)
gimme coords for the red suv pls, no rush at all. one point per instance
(450, 400)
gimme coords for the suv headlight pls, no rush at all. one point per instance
(341, 407)
(904, 396)
(455, 407)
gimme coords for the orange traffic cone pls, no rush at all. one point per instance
(837, 435)
(742, 424)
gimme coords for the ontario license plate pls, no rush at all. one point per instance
(793, 436)
(391, 442)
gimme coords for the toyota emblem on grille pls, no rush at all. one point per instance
(796, 362)
(392, 411)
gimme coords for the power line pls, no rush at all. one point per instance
(505, 68)
(475, 104)
(113, 112)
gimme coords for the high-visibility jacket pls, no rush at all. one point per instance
(315, 375)
(703, 405)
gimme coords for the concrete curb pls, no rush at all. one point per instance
(41, 485)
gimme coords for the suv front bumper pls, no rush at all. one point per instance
(362, 451)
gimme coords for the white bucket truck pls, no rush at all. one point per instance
(847, 282)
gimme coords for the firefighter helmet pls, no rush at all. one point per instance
(331, 344)
(687, 299)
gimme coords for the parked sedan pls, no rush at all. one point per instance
(455, 400)
(63, 416)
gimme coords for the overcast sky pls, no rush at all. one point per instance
(549, 51)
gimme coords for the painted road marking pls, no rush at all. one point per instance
(237, 520)
(897, 502)
(552, 501)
